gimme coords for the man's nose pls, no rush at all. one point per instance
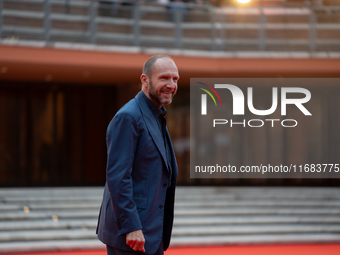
(172, 84)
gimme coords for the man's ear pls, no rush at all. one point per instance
(145, 80)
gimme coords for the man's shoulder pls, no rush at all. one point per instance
(128, 114)
(130, 107)
(129, 111)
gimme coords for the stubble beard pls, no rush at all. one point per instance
(157, 97)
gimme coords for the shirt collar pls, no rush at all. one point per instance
(154, 108)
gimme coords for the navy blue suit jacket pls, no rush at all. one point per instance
(138, 193)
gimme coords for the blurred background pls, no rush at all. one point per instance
(67, 66)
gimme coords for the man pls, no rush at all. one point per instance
(138, 204)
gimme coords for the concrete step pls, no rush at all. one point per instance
(66, 218)
(253, 239)
(62, 206)
(47, 215)
(45, 202)
(213, 203)
(91, 213)
(259, 192)
(55, 234)
(187, 222)
(257, 211)
(244, 220)
(54, 193)
(48, 224)
(256, 203)
(179, 203)
(254, 229)
(48, 199)
(51, 245)
(181, 193)
(9, 207)
(185, 231)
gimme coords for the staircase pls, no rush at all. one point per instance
(50, 219)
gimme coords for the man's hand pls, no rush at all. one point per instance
(135, 240)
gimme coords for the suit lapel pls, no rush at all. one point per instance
(152, 126)
(173, 157)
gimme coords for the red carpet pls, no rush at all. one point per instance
(289, 249)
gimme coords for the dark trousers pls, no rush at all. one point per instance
(115, 251)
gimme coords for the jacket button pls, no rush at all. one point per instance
(161, 207)
(165, 185)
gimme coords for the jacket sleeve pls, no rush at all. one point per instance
(122, 138)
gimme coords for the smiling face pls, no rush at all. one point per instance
(162, 85)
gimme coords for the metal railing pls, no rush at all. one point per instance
(306, 27)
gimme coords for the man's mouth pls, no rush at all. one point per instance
(166, 92)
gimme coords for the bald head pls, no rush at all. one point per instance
(149, 65)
